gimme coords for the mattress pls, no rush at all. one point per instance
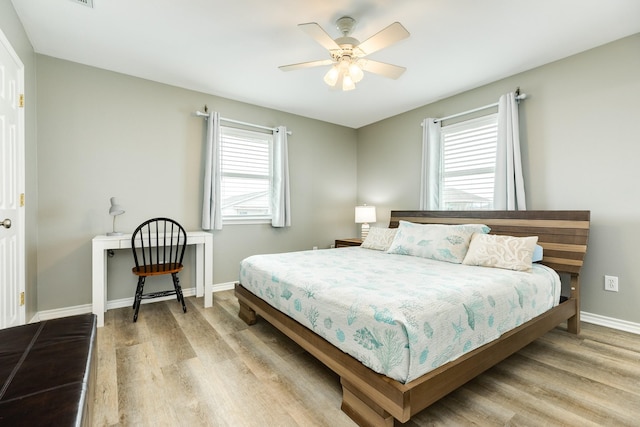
(402, 316)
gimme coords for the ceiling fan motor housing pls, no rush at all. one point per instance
(346, 50)
(346, 24)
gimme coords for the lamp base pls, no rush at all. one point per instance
(115, 233)
(365, 231)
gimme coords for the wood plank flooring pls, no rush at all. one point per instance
(208, 368)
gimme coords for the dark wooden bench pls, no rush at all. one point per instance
(48, 372)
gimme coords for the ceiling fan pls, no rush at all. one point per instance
(348, 54)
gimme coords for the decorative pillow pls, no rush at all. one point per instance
(435, 241)
(511, 253)
(379, 238)
(537, 254)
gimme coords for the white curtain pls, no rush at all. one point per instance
(509, 184)
(280, 195)
(211, 211)
(431, 172)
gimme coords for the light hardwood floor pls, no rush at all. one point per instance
(208, 368)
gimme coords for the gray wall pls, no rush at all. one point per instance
(13, 30)
(580, 130)
(105, 134)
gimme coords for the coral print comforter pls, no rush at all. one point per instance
(400, 315)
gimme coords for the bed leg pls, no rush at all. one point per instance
(573, 323)
(361, 409)
(247, 314)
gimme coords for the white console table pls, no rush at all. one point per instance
(100, 245)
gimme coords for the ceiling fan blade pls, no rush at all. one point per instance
(319, 35)
(301, 65)
(386, 37)
(386, 70)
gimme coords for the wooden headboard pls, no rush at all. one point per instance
(562, 234)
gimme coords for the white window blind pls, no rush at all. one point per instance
(468, 168)
(245, 173)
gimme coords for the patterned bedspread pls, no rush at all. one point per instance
(401, 316)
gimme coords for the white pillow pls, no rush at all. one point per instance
(379, 238)
(511, 253)
(435, 241)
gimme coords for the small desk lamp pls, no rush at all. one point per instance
(364, 215)
(114, 211)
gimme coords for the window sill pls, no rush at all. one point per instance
(247, 221)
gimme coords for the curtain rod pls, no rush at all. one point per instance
(519, 97)
(238, 122)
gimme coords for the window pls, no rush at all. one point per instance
(245, 175)
(468, 164)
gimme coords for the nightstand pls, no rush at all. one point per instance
(341, 243)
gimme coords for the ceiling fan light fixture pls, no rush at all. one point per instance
(355, 72)
(331, 78)
(348, 83)
(344, 74)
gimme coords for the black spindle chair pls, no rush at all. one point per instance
(158, 248)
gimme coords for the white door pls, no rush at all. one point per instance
(12, 171)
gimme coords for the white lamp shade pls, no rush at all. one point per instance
(356, 72)
(347, 83)
(331, 78)
(365, 214)
(115, 208)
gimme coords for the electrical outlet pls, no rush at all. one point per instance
(611, 283)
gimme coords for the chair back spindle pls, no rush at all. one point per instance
(158, 242)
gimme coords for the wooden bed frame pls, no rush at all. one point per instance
(372, 399)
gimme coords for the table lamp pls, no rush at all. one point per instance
(114, 211)
(364, 215)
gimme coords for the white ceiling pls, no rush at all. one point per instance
(233, 48)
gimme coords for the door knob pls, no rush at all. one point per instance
(6, 223)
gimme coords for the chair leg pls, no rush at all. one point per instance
(138, 297)
(178, 288)
(135, 296)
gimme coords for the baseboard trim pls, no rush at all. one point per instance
(56, 313)
(610, 322)
(228, 286)
(119, 303)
